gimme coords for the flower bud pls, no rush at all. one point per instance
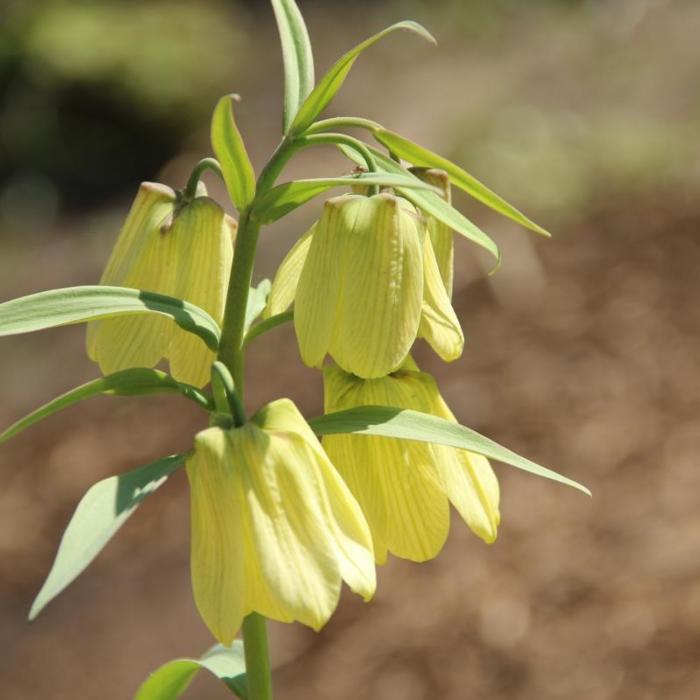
(404, 487)
(364, 282)
(274, 527)
(182, 251)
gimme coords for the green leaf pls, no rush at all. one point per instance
(430, 202)
(60, 307)
(105, 507)
(284, 198)
(128, 382)
(420, 156)
(257, 299)
(297, 57)
(230, 151)
(172, 679)
(389, 421)
(332, 81)
(267, 325)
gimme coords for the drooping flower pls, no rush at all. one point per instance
(365, 283)
(274, 527)
(404, 486)
(183, 251)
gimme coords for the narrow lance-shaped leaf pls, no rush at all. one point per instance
(128, 382)
(429, 202)
(171, 680)
(284, 198)
(420, 156)
(105, 507)
(297, 57)
(332, 81)
(389, 421)
(61, 307)
(230, 151)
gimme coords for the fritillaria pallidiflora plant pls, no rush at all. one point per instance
(285, 508)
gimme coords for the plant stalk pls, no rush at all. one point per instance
(257, 658)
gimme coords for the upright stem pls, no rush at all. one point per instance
(257, 658)
(232, 354)
(231, 345)
(231, 350)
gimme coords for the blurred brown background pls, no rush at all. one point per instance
(582, 351)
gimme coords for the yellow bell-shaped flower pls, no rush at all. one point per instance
(365, 282)
(404, 486)
(274, 527)
(183, 251)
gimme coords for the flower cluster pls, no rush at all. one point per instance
(369, 278)
(279, 520)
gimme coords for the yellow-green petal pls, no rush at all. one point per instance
(341, 514)
(284, 285)
(441, 236)
(396, 482)
(143, 258)
(381, 286)
(469, 479)
(439, 324)
(319, 286)
(203, 236)
(218, 534)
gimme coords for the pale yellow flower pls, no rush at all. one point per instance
(404, 487)
(184, 252)
(274, 527)
(365, 283)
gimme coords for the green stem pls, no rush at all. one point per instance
(350, 141)
(231, 346)
(190, 191)
(343, 122)
(257, 658)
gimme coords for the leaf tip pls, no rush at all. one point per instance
(419, 29)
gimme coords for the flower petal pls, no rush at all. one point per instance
(217, 557)
(318, 291)
(284, 286)
(203, 240)
(439, 324)
(296, 556)
(396, 482)
(381, 285)
(141, 259)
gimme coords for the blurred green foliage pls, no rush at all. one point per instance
(108, 84)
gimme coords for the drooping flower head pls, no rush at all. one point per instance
(274, 527)
(184, 251)
(365, 284)
(404, 487)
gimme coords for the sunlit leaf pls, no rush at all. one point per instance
(128, 382)
(257, 299)
(297, 56)
(284, 198)
(420, 156)
(60, 307)
(332, 81)
(230, 151)
(389, 421)
(105, 507)
(171, 680)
